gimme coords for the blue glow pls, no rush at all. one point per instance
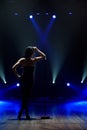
(38, 29)
(43, 35)
(78, 107)
(31, 16)
(1, 102)
(76, 104)
(6, 105)
(17, 84)
(49, 26)
(83, 93)
(54, 16)
(68, 84)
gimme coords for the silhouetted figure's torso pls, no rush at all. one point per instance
(27, 76)
(26, 83)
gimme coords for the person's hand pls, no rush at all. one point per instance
(18, 76)
(35, 48)
(45, 57)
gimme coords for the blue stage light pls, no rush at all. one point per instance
(54, 16)
(1, 102)
(31, 16)
(17, 84)
(82, 82)
(68, 84)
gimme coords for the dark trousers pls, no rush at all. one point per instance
(25, 91)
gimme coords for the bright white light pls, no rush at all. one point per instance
(81, 81)
(68, 84)
(5, 82)
(54, 16)
(17, 84)
(2, 73)
(31, 16)
(84, 76)
(53, 82)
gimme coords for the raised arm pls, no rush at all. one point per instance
(41, 54)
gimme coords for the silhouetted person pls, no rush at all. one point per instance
(26, 78)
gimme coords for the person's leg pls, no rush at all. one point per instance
(26, 106)
(20, 113)
(22, 108)
(22, 102)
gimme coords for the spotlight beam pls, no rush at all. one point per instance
(84, 73)
(43, 37)
(48, 28)
(2, 73)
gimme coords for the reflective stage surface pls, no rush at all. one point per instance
(70, 115)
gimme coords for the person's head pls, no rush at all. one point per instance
(29, 52)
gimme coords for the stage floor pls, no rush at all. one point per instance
(63, 116)
(10, 122)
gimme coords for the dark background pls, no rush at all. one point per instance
(68, 37)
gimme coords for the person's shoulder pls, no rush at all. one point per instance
(21, 60)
